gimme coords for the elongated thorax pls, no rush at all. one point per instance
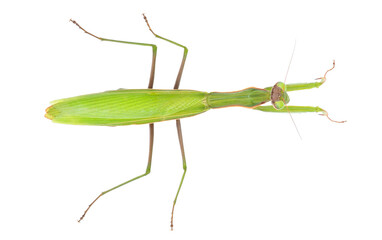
(249, 98)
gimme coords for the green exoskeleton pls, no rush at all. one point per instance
(148, 106)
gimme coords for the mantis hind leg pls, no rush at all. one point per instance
(151, 126)
(148, 170)
(154, 47)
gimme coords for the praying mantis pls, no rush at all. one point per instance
(148, 106)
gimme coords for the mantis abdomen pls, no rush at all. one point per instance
(125, 107)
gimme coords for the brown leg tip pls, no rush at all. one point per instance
(325, 113)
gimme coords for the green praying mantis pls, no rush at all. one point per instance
(148, 106)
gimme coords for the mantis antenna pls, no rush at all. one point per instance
(286, 75)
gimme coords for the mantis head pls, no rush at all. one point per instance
(279, 96)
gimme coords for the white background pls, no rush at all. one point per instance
(249, 174)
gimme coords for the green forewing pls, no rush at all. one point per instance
(124, 107)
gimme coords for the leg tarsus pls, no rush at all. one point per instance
(323, 79)
(325, 113)
(147, 22)
(83, 215)
(78, 25)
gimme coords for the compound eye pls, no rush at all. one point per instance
(278, 105)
